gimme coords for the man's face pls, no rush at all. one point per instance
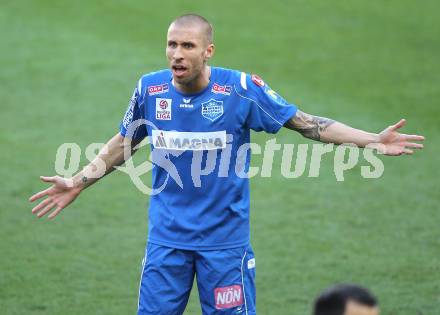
(353, 308)
(187, 51)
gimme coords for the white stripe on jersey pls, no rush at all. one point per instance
(243, 81)
(254, 101)
(242, 282)
(140, 87)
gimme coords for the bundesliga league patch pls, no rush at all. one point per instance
(228, 297)
(163, 108)
(212, 109)
(157, 89)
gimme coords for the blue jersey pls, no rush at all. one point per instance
(200, 147)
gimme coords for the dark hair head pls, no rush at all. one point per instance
(333, 300)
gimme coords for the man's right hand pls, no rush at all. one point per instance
(65, 190)
(59, 195)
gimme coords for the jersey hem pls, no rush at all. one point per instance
(199, 247)
(291, 113)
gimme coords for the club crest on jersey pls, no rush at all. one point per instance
(212, 109)
(257, 80)
(228, 297)
(163, 108)
(158, 89)
(221, 89)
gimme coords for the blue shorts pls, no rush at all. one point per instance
(225, 280)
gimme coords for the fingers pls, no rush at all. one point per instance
(47, 205)
(399, 152)
(39, 195)
(48, 179)
(46, 209)
(401, 148)
(55, 213)
(413, 145)
(400, 124)
(413, 137)
(41, 205)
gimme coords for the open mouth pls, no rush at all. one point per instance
(179, 70)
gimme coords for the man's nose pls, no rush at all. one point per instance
(178, 54)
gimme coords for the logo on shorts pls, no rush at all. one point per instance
(221, 89)
(228, 297)
(251, 263)
(158, 89)
(212, 109)
(257, 80)
(163, 108)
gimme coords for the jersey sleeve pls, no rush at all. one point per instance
(267, 111)
(132, 125)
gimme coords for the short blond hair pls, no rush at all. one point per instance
(198, 21)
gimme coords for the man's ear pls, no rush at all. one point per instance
(209, 52)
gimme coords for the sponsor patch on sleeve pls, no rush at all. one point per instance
(128, 117)
(158, 89)
(221, 89)
(257, 80)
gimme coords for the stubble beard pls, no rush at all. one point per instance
(192, 79)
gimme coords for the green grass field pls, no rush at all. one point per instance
(68, 69)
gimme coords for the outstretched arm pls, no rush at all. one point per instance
(389, 141)
(65, 190)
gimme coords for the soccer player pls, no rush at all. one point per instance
(198, 119)
(346, 299)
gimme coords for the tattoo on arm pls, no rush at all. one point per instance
(308, 125)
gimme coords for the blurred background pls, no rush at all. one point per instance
(68, 69)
